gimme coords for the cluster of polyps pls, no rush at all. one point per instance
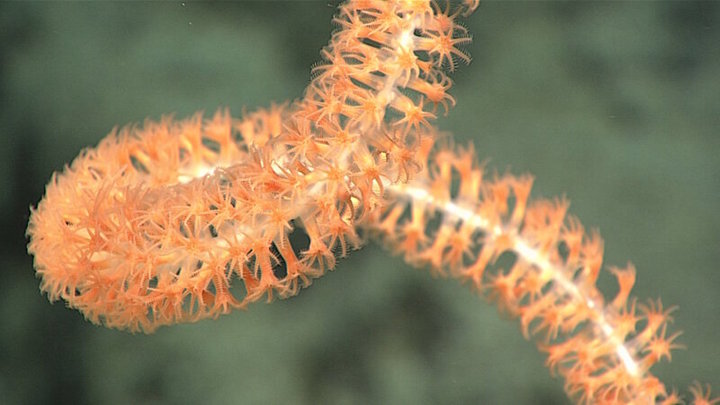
(182, 220)
(153, 225)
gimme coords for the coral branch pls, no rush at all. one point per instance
(178, 221)
(603, 351)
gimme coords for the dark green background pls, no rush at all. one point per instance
(616, 105)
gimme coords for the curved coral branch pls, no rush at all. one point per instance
(182, 220)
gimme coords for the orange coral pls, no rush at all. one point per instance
(182, 220)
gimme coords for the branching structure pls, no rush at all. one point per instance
(178, 221)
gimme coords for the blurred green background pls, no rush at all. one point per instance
(613, 104)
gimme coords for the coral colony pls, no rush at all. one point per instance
(176, 221)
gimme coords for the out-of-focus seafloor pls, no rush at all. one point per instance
(614, 104)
